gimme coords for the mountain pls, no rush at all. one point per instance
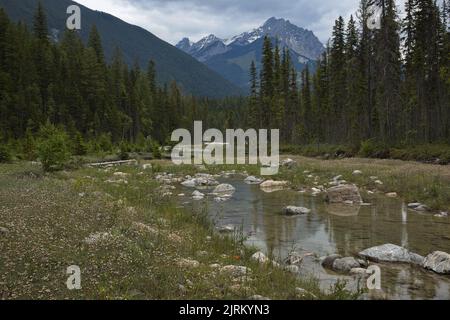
(136, 44)
(232, 57)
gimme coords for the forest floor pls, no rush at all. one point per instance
(129, 241)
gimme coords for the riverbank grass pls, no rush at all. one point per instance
(129, 240)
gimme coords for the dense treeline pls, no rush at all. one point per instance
(371, 88)
(70, 85)
(389, 85)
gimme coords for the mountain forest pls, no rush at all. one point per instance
(371, 89)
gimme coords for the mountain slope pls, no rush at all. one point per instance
(232, 58)
(136, 43)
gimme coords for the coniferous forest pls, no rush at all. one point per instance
(370, 89)
(390, 85)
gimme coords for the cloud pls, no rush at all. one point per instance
(172, 20)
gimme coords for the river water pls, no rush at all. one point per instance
(341, 229)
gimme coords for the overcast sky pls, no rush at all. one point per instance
(171, 20)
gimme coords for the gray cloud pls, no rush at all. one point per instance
(173, 19)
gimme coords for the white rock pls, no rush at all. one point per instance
(235, 271)
(188, 263)
(259, 257)
(391, 253)
(392, 195)
(189, 183)
(226, 228)
(120, 174)
(292, 268)
(146, 166)
(253, 180)
(358, 271)
(343, 193)
(197, 195)
(438, 262)
(224, 188)
(289, 163)
(292, 211)
(357, 172)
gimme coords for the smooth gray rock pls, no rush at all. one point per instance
(224, 188)
(260, 257)
(391, 253)
(344, 265)
(293, 211)
(438, 262)
(344, 193)
(327, 262)
(288, 163)
(253, 180)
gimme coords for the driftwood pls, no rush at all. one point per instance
(112, 163)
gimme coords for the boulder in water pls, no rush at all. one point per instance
(294, 211)
(438, 262)
(344, 194)
(391, 253)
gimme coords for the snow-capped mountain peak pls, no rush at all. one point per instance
(231, 57)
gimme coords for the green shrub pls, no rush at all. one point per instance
(374, 149)
(29, 148)
(79, 147)
(104, 142)
(53, 148)
(5, 154)
(124, 149)
(156, 151)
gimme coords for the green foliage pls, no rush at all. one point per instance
(104, 142)
(79, 146)
(5, 153)
(156, 151)
(373, 149)
(29, 148)
(53, 147)
(124, 149)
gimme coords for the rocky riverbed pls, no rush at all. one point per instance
(333, 233)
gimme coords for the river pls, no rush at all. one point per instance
(341, 229)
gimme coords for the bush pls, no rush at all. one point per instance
(124, 149)
(373, 149)
(5, 154)
(79, 147)
(104, 142)
(29, 151)
(156, 151)
(53, 148)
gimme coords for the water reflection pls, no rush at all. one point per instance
(341, 229)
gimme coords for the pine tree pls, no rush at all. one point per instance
(254, 106)
(388, 76)
(267, 76)
(40, 24)
(95, 43)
